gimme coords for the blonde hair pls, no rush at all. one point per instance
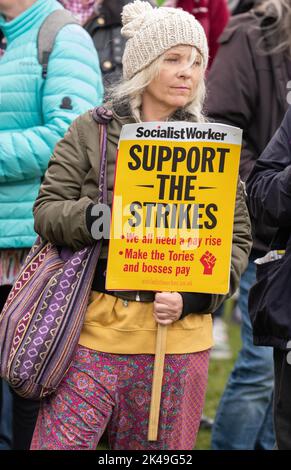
(129, 92)
(280, 10)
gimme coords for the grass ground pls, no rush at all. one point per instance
(218, 375)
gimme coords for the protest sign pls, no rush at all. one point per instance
(173, 207)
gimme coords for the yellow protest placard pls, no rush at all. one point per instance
(173, 207)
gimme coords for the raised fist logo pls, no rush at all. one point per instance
(208, 260)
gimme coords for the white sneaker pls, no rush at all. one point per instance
(221, 348)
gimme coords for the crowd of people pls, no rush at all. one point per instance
(59, 60)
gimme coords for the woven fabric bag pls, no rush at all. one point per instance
(41, 321)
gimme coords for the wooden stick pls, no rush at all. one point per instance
(157, 382)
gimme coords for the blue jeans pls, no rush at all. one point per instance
(244, 416)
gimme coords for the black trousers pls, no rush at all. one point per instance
(24, 411)
(282, 399)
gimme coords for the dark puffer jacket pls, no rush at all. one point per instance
(104, 27)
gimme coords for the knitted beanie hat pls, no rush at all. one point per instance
(152, 31)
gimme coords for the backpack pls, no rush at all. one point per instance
(48, 33)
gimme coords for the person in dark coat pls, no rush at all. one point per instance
(269, 192)
(247, 87)
(104, 27)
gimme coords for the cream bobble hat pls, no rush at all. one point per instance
(152, 31)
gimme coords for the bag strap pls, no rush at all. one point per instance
(48, 33)
(103, 166)
(102, 116)
(95, 249)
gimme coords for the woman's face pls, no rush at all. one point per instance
(176, 84)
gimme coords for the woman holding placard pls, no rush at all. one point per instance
(110, 379)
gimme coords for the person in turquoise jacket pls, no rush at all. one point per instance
(35, 112)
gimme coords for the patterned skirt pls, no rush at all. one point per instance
(102, 390)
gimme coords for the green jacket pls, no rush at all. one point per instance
(70, 187)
